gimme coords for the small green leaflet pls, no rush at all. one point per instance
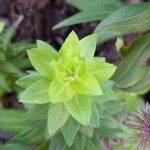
(40, 59)
(70, 130)
(57, 117)
(80, 108)
(88, 47)
(36, 93)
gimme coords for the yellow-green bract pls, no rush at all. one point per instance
(66, 80)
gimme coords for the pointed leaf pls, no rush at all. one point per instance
(71, 47)
(54, 143)
(40, 59)
(100, 9)
(2, 25)
(43, 45)
(86, 16)
(127, 72)
(88, 4)
(88, 47)
(26, 81)
(59, 92)
(86, 130)
(79, 143)
(9, 67)
(120, 22)
(3, 83)
(37, 112)
(70, 130)
(36, 93)
(102, 70)
(142, 85)
(108, 94)
(88, 85)
(94, 122)
(12, 121)
(15, 146)
(94, 144)
(80, 108)
(57, 117)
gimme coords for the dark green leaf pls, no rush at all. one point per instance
(12, 121)
(70, 130)
(93, 144)
(87, 130)
(94, 122)
(15, 146)
(37, 112)
(130, 18)
(57, 117)
(127, 72)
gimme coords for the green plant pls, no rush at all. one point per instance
(73, 99)
(13, 60)
(67, 86)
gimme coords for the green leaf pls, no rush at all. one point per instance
(88, 131)
(12, 121)
(141, 85)
(57, 117)
(108, 94)
(79, 143)
(96, 14)
(7, 37)
(26, 81)
(127, 72)
(93, 144)
(102, 70)
(43, 146)
(30, 135)
(88, 85)
(114, 107)
(70, 130)
(57, 143)
(109, 127)
(59, 92)
(9, 67)
(88, 47)
(60, 71)
(88, 4)
(120, 22)
(80, 108)
(2, 56)
(94, 122)
(36, 93)
(37, 112)
(43, 45)
(71, 47)
(3, 83)
(2, 25)
(90, 11)
(40, 59)
(131, 101)
(15, 146)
